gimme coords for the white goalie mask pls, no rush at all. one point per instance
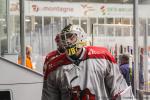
(73, 35)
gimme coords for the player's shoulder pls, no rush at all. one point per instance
(93, 50)
(57, 62)
(51, 55)
(60, 60)
(99, 52)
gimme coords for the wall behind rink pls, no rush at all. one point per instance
(115, 44)
(120, 40)
(65, 9)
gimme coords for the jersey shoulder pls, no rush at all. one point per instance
(55, 63)
(51, 55)
(96, 52)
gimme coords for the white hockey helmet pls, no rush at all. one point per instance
(74, 33)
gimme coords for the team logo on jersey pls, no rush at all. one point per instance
(77, 94)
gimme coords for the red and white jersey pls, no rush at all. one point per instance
(95, 76)
(50, 56)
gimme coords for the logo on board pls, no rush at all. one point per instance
(35, 8)
(87, 8)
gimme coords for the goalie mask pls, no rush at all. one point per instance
(73, 38)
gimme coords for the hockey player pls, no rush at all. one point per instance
(83, 72)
